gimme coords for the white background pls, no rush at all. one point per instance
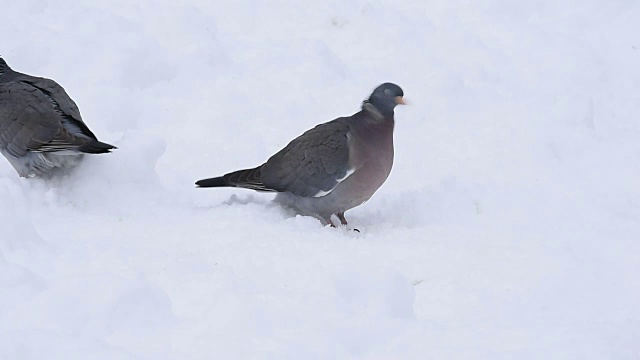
(509, 227)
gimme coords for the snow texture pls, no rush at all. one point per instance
(508, 229)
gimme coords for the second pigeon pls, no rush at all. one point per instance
(41, 129)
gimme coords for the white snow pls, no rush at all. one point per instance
(508, 229)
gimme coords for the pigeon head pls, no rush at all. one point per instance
(385, 98)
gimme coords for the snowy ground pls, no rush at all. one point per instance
(509, 227)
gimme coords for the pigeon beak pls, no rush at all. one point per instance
(400, 100)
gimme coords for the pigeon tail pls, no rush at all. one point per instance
(213, 182)
(96, 147)
(246, 179)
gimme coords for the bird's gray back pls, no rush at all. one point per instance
(54, 93)
(36, 114)
(312, 163)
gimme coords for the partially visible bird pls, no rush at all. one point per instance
(333, 167)
(40, 126)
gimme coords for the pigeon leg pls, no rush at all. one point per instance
(327, 221)
(343, 221)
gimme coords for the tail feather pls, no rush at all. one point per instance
(247, 179)
(213, 182)
(96, 147)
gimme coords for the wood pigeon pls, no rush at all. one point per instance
(331, 168)
(40, 125)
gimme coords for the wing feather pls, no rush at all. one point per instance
(312, 164)
(31, 119)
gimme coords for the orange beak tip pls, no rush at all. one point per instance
(400, 100)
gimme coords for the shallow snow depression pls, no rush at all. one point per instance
(508, 228)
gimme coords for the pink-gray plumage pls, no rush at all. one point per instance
(333, 167)
(40, 125)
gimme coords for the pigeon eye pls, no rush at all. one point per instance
(387, 92)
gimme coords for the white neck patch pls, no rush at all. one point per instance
(375, 113)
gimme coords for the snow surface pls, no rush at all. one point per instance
(509, 227)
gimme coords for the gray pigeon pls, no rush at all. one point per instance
(331, 168)
(40, 126)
